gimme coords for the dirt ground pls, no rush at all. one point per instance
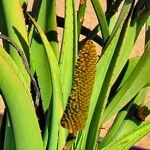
(90, 22)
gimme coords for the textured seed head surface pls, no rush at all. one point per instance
(76, 111)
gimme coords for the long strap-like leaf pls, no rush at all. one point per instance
(18, 101)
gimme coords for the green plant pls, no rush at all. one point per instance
(36, 79)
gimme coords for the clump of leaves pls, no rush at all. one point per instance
(61, 99)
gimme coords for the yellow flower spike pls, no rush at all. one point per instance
(76, 112)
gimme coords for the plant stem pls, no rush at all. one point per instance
(25, 62)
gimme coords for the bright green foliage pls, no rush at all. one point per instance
(16, 30)
(46, 18)
(19, 103)
(125, 141)
(68, 49)
(78, 92)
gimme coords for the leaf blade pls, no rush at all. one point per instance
(23, 106)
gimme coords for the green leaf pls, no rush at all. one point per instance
(127, 45)
(18, 101)
(9, 139)
(141, 13)
(68, 49)
(128, 68)
(55, 109)
(112, 9)
(80, 15)
(131, 87)
(132, 121)
(126, 141)
(101, 18)
(125, 121)
(102, 68)
(46, 18)
(16, 30)
(39, 62)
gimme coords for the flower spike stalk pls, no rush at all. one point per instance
(76, 112)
